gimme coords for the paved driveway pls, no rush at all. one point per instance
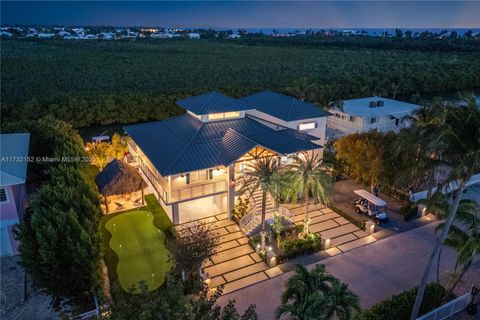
(374, 272)
(343, 197)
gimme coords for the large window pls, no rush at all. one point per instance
(224, 115)
(307, 126)
(3, 195)
(373, 120)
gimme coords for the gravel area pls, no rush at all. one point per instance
(12, 296)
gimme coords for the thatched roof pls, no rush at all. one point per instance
(119, 178)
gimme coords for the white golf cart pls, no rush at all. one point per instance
(371, 206)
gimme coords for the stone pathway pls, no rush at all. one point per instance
(344, 235)
(235, 264)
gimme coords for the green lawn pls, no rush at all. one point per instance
(140, 247)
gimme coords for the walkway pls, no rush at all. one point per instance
(344, 235)
(235, 264)
(375, 272)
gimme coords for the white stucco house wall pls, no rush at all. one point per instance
(365, 114)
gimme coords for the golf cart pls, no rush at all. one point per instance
(371, 206)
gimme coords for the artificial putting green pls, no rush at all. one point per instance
(140, 247)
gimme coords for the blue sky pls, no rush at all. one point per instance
(247, 14)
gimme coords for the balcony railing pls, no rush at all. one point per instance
(197, 191)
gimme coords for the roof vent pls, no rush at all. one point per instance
(380, 103)
(373, 104)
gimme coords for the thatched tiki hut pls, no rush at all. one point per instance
(119, 179)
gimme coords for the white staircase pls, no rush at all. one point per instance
(252, 220)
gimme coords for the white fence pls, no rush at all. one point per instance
(452, 186)
(448, 309)
(92, 314)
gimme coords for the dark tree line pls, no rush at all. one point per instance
(102, 82)
(59, 238)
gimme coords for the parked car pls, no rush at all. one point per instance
(371, 206)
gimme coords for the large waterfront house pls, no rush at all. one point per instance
(13, 194)
(372, 113)
(192, 161)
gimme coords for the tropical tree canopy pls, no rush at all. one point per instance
(366, 156)
(307, 178)
(316, 294)
(457, 143)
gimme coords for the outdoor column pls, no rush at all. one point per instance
(230, 190)
(175, 214)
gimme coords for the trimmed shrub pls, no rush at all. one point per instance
(400, 306)
(160, 217)
(360, 224)
(408, 210)
(296, 247)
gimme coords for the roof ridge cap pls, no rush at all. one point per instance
(3, 172)
(293, 100)
(241, 135)
(175, 133)
(189, 142)
(208, 100)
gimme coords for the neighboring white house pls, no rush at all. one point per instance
(64, 33)
(89, 37)
(46, 35)
(194, 35)
(234, 36)
(6, 34)
(364, 114)
(161, 35)
(13, 192)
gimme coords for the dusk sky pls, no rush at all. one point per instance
(248, 14)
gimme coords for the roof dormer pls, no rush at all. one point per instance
(214, 106)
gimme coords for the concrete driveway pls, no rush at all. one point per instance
(374, 272)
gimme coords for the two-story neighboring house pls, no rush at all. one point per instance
(193, 160)
(13, 193)
(362, 115)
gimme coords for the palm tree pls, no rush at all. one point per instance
(464, 237)
(340, 302)
(439, 205)
(414, 148)
(264, 174)
(458, 144)
(308, 178)
(316, 294)
(302, 88)
(100, 153)
(119, 146)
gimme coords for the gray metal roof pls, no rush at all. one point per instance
(361, 107)
(283, 107)
(184, 143)
(212, 102)
(13, 153)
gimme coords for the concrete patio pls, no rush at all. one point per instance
(344, 235)
(235, 264)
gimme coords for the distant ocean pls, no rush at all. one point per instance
(370, 31)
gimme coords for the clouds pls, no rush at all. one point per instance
(249, 14)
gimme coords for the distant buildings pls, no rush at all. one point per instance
(13, 193)
(194, 35)
(116, 33)
(45, 35)
(234, 36)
